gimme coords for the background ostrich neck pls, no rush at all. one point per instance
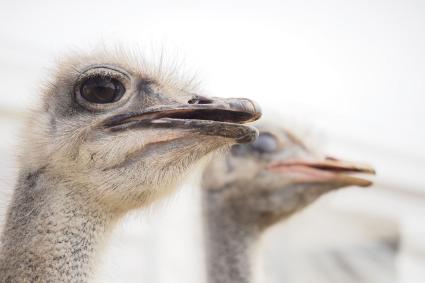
(51, 232)
(230, 243)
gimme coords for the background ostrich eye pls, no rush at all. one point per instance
(102, 90)
(239, 149)
(265, 143)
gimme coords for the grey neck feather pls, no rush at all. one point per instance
(230, 244)
(51, 234)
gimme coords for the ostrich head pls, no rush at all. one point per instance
(122, 134)
(271, 178)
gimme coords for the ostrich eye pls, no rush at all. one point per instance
(265, 143)
(102, 90)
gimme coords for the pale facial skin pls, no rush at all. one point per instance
(263, 182)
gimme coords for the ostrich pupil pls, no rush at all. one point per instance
(102, 90)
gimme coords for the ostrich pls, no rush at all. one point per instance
(110, 136)
(257, 185)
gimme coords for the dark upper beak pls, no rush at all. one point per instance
(326, 170)
(209, 116)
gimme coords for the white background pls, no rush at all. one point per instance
(353, 71)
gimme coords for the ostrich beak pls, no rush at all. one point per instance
(218, 117)
(329, 170)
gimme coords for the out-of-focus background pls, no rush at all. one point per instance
(352, 71)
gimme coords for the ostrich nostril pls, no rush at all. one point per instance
(200, 100)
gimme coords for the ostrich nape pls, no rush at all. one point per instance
(110, 136)
(258, 184)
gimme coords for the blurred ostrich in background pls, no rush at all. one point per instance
(257, 185)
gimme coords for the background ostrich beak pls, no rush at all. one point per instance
(328, 170)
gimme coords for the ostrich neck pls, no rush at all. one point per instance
(52, 233)
(230, 243)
